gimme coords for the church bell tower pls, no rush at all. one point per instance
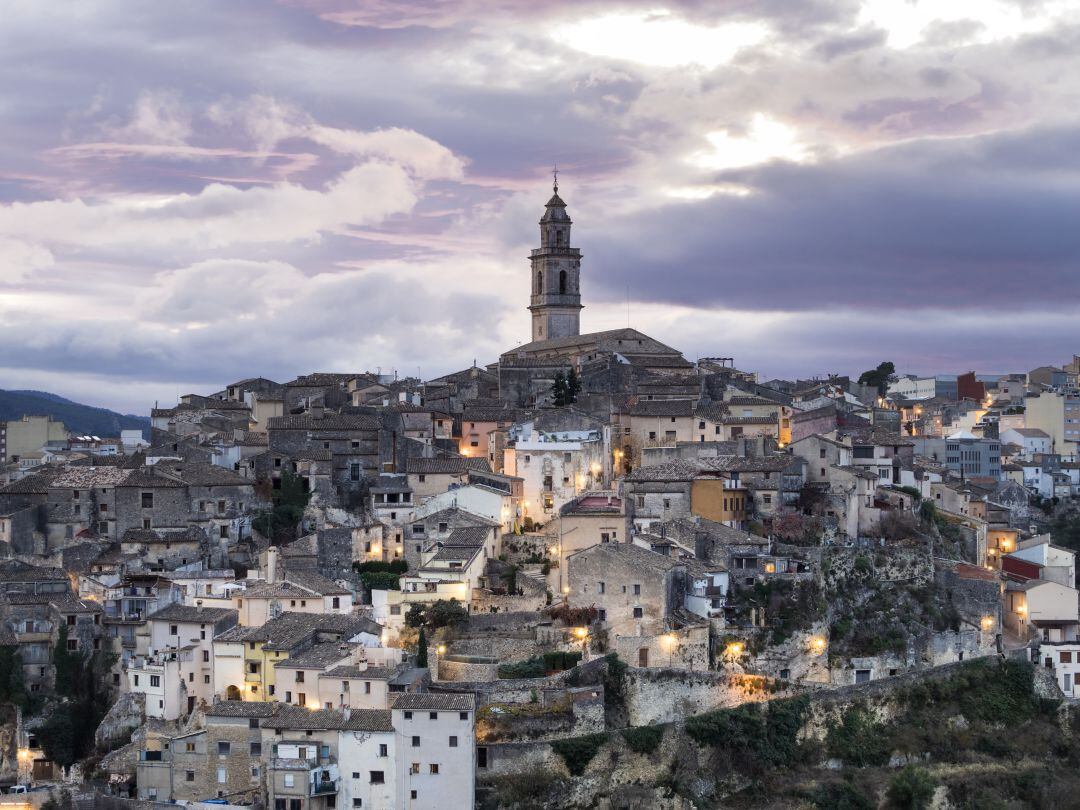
(556, 267)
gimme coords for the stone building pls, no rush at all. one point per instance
(640, 597)
(351, 439)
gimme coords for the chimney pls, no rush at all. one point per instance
(271, 564)
(347, 711)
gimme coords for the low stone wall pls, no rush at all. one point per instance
(450, 669)
(506, 648)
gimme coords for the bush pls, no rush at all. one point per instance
(541, 665)
(378, 566)
(643, 739)
(842, 796)
(381, 581)
(578, 752)
(575, 616)
(911, 789)
(755, 736)
(858, 740)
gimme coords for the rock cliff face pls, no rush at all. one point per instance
(126, 715)
(9, 744)
(835, 747)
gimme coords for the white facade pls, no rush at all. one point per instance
(479, 500)
(708, 594)
(368, 770)
(914, 388)
(1064, 660)
(1031, 440)
(161, 683)
(436, 759)
(556, 467)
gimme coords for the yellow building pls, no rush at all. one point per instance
(29, 435)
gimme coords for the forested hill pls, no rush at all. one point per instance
(79, 419)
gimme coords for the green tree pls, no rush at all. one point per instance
(289, 502)
(68, 734)
(414, 616)
(446, 613)
(421, 649)
(59, 738)
(12, 684)
(879, 377)
(573, 386)
(66, 665)
(911, 789)
(559, 390)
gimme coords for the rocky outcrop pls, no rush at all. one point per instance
(126, 715)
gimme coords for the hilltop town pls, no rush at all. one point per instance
(591, 572)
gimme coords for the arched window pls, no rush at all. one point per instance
(558, 238)
(539, 281)
(562, 282)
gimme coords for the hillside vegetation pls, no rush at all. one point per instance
(79, 419)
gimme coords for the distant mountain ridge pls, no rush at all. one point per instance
(83, 420)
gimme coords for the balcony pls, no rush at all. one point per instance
(323, 787)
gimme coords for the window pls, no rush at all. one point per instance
(637, 613)
(300, 676)
(189, 776)
(602, 587)
(223, 531)
(453, 741)
(463, 715)
(862, 676)
(637, 589)
(377, 778)
(382, 749)
(155, 680)
(416, 741)
(255, 749)
(222, 776)
(336, 602)
(290, 780)
(433, 715)
(1066, 657)
(224, 749)
(433, 768)
(408, 715)
(301, 698)
(148, 500)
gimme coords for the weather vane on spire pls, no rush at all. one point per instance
(555, 174)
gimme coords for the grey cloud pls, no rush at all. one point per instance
(988, 223)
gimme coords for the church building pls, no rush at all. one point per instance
(615, 360)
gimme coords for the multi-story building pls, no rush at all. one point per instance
(964, 453)
(1056, 413)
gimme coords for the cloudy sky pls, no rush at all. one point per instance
(194, 193)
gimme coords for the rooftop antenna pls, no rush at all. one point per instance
(627, 306)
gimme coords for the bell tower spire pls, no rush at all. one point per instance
(556, 269)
